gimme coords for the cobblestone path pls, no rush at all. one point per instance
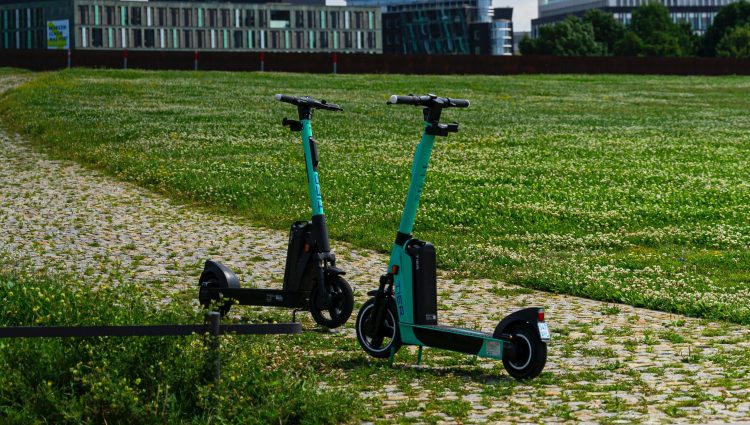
(607, 363)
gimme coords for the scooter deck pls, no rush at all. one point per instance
(467, 341)
(266, 297)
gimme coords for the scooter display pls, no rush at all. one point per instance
(403, 310)
(311, 279)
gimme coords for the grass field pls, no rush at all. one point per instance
(146, 380)
(627, 189)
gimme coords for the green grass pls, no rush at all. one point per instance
(620, 188)
(146, 380)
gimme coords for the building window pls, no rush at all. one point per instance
(110, 11)
(83, 15)
(200, 36)
(124, 16)
(135, 15)
(188, 39)
(174, 15)
(97, 38)
(162, 16)
(311, 19)
(237, 39)
(225, 18)
(187, 18)
(299, 19)
(137, 38)
(334, 18)
(149, 38)
(250, 40)
(212, 18)
(249, 18)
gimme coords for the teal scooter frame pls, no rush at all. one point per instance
(311, 279)
(403, 310)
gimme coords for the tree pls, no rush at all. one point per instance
(660, 36)
(570, 37)
(629, 45)
(607, 30)
(729, 17)
(736, 43)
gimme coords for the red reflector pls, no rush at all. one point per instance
(540, 315)
(394, 269)
(308, 247)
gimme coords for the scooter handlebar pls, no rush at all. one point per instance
(428, 101)
(308, 102)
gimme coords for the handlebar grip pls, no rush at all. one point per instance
(459, 103)
(330, 106)
(404, 100)
(286, 98)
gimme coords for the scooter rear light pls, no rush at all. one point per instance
(540, 315)
(394, 269)
(308, 247)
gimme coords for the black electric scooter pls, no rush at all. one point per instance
(311, 279)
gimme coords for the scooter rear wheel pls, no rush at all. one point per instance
(530, 352)
(379, 346)
(338, 311)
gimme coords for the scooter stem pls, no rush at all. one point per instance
(313, 183)
(418, 174)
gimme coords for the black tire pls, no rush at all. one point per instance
(213, 281)
(340, 308)
(531, 352)
(379, 347)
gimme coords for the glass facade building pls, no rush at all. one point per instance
(698, 13)
(189, 25)
(447, 27)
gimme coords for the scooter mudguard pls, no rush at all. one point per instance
(224, 278)
(528, 315)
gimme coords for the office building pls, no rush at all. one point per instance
(291, 26)
(698, 13)
(445, 27)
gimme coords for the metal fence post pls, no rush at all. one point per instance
(69, 58)
(125, 59)
(262, 61)
(214, 319)
(195, 60)
(335, 61)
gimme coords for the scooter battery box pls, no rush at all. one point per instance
(295, 255)
(424, 278)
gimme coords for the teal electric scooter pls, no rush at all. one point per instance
(403, 310)
(311, 279)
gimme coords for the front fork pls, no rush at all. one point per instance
(326, 265)
(382, 296)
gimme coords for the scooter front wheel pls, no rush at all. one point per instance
(337, 311)
(530, 352)
(379, 346)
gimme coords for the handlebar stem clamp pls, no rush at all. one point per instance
(292, 124)
(437, 129)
